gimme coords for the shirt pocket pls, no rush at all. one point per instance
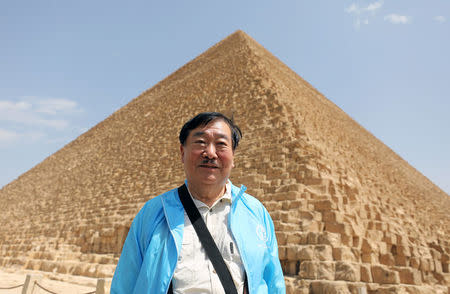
(232, 257)
(184, 273)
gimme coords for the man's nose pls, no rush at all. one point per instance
(210, 151)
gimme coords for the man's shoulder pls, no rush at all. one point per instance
(156, 203)
(251, 202)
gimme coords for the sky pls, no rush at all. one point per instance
(67, 65)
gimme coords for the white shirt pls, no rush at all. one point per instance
(194, 272)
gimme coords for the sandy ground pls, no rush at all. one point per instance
(57, 283)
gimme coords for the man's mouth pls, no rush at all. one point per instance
(208, 166)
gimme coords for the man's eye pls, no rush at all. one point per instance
(199, 142)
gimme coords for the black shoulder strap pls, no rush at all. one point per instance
(207, 241)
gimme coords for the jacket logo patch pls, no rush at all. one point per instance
(261, 233)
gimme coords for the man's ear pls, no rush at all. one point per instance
(182, 152)
(232, 163)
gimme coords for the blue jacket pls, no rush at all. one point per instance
(151, 249)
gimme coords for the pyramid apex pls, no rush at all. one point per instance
(239, 35)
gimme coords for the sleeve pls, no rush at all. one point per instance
(130, 261)
(273, 274)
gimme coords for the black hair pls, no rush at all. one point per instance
(204, 118)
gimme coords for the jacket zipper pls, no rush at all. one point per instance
(238, 241)
(178, 253)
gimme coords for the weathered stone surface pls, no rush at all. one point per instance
(382, 275)
(327, 287)
(366, 273)
(347, 271)
(317, 270)
(344, 253)
(409, 276)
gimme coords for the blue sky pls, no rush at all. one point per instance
(66, 65)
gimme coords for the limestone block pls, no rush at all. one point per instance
(105, 270)
(401, 260)
(288, 267)
(329, 238)
(340, 228)
(328, 287)
(414, 251)
(445, 267)
(368, 246)
(366, 273)
(322, 270)
(382, 275)
(347, 271)
(429, 278)
(387, 259)
(324, 205)
(357, 288)
(312, 238)
(282, 252)
(437, 266)
(402, 240)
(391, 290)
(390, 238)
(290, 286)
(291, 253)
(48, 266)
(310, 226)
(281, 238)
(382, 248)
(371, 258)
(421, 290)
(346, 240)
(435, 254)
(332, 216)
(409, 275)
(374, 235)
(414, 262)
(357, 241)
(403, 250)
(295, 238)
(306, 252)
(425, 265)
(323, 252)
(343, 253)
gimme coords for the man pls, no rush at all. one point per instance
(163, 253)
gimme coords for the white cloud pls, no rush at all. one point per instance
(47, 112)
(353, 8)
(374, 6)
(54, 106)
(8, 136)
(440, 18)
(362, 14)
(398, 19)
(31, 119)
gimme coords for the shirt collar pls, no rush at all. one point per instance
(225, 197)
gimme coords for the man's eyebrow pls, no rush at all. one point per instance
(198, 134)
(201, 133)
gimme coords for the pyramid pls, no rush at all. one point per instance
(350, 214)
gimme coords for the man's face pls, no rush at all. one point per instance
(207, 154)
